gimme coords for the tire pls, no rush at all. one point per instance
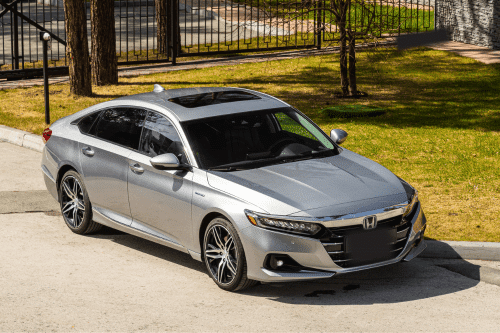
(76, 212)
(224, 256)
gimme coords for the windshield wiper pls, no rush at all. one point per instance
(243, 165)
(239, 165)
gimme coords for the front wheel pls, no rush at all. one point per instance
(224, 257)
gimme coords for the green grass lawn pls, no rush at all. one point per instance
(440, 132)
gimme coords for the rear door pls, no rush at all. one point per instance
(160, 199)
(103, 158)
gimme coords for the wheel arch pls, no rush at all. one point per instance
(203, 227)
(60, 173)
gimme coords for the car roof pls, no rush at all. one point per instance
(162, 98)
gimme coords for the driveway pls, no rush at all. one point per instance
(54, 280)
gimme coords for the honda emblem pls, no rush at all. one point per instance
(370, 222)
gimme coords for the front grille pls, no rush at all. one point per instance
(353, 246)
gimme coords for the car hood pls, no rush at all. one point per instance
(337, 185)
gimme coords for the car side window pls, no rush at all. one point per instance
(121, 125)
(86, 122)
(159, 136)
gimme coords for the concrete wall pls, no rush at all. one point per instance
(470, 21)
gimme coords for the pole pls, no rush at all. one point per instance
(175, 14)
(15, 37)
(45, 38)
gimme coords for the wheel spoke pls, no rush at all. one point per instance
(217, 237)
(75, 214)
(220, 270)
(69, 205)
(229, 243)
(213, 256)
(67, 189)
(231, 265)
(75, 189)
(81, 206)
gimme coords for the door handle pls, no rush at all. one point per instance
(88, 151)
(136, 168)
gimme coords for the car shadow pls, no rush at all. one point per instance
(418, 279)
(150, 248)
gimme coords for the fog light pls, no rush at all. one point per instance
(281, 262)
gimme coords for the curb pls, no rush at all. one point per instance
(435, 249)
(21, 138)
(462, 250)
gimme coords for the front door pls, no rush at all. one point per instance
(160, 199)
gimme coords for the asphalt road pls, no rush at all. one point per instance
(54, 280)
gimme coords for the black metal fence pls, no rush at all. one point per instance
(205, 27)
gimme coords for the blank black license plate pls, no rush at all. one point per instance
(369, 245)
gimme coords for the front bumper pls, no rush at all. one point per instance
(311, 254)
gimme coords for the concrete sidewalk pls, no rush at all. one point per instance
(479, 53)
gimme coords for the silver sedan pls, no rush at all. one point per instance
(236, 178)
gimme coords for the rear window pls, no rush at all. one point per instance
(86, 122)
(198, 100)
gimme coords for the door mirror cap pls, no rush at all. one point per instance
(338, 135)
(168, 162)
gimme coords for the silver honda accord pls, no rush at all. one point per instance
(236, 178)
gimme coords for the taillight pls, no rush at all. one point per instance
(46, 134)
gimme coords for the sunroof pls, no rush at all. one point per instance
(219, 97)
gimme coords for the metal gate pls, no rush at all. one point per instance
(197, 27)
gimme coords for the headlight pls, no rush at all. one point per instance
(286, 224)
(412, 204)
(411, 194)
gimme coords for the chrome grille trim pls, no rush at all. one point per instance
(341, 260)
(344, 257)
(346, 220)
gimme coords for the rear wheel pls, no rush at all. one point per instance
(224, 257)
(75, 204)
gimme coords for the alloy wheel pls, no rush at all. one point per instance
(72, 201)
(221, 254)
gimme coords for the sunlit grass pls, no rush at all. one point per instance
(441, 131)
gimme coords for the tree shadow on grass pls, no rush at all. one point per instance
(417, 88)
(417, 92)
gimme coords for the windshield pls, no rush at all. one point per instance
(248, 140)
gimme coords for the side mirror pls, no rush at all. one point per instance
(168, 162)
(338, 135)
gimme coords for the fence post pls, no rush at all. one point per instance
(175, 15)
(15, 39)
(45, 38)
(318, 25)
(435, 12)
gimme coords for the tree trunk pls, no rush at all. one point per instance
(77, 49)
(104, 60)
(162, 26)
(344, 80)
(352, 64)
